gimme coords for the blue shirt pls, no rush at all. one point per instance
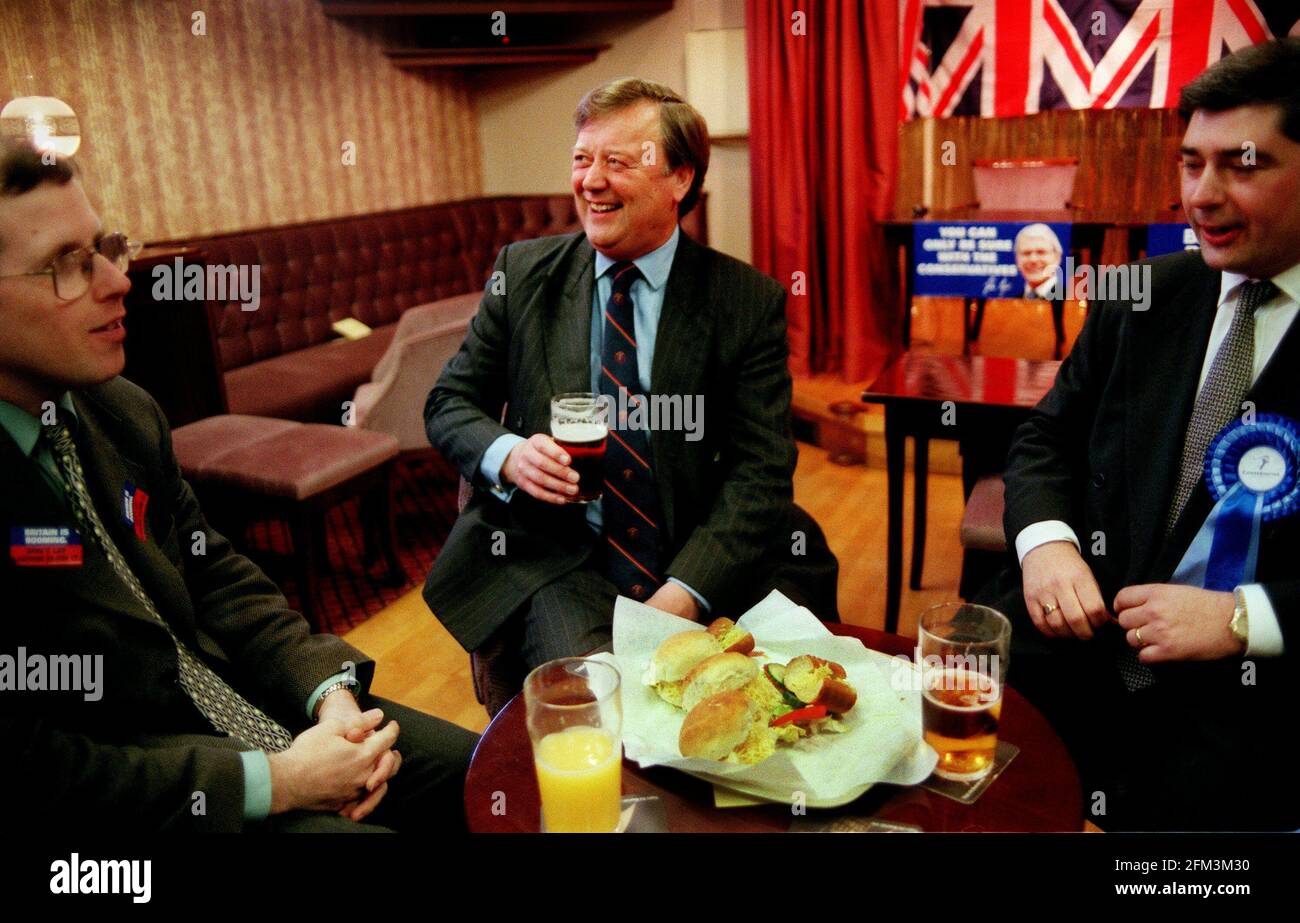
(647, 304)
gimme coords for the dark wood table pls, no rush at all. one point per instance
(1039, 791)
(977, 400)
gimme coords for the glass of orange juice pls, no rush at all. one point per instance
(575, 721)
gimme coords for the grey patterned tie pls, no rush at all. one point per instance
(1220, 399)
(223, 706)
(1218, 402)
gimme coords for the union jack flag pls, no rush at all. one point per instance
(1012, 57)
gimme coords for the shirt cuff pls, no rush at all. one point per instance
(257, 785)
(315, 696)
(704, 604)
(1263, 633)
(493, 459)
(1040, 533)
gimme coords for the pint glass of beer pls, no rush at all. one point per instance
(963, 651)
(580, 424)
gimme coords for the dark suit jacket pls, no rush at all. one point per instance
(726, 498)
(1103, 448)
(1102, 453)
(135, 758)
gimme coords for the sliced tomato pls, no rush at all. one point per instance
(800, 715)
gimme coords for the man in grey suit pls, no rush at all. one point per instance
(693, 520)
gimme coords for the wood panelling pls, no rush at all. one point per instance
(186, 135)
(1127, 159)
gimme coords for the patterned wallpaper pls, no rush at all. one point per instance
(245, 126)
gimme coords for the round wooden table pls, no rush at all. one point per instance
(1039, 791)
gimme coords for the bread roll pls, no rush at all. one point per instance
(719, 673)
(727, 727)
(714, 728)
(674, 658)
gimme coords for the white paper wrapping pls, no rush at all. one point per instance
(883, 742)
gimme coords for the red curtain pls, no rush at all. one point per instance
(823, 123)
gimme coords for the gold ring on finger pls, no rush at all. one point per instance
(1137, 633)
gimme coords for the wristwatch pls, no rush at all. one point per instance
(1239, 626)
(329, 691)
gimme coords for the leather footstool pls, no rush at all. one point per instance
(247, 468)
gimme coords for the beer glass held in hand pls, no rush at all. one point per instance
(575, 722)
(963, 651)
(580, 425)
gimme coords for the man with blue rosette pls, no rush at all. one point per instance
(1152, 497)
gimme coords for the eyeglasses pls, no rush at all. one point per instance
(72, 272)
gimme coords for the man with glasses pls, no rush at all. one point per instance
(71, 271)
(150, 677)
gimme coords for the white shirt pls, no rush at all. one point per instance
(1272, 320)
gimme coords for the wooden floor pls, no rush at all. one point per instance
(420, 665)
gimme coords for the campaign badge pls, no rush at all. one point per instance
(45, 546)
(134, 504)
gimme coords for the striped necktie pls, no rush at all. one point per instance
(630, 506)
(223, 706)
(1218, 402)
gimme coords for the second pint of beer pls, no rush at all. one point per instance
(963, 652)
(580, 425)
(960, 712)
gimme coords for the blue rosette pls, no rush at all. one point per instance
(1253, 473)
(1223, 461)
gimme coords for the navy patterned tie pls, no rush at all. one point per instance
(630, 505)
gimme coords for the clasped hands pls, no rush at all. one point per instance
(540, 468)
(1164, 622)
(342, 764)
